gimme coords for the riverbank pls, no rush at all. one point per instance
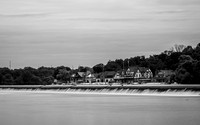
(158, 87)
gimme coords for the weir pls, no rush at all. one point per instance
(138, 92)
(100, 87)
(160, 90)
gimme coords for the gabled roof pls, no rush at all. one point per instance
(81, 74)
(87, 73)
(136, 68)
(143, 69)
(90, 76)
(166, 73)
(132, 69)
(97, 75)
(109, 74)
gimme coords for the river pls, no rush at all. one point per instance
(60, 108)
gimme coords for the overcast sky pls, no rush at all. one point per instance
(86, 32)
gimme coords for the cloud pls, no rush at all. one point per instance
(171, 11)
(179, 2)
(91, 31)
(176, 20)
(109, 19)
(24, 15)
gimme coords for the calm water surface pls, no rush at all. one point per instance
(37, 108)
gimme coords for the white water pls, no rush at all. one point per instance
(137, 92)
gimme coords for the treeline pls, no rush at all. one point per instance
(26, 76)
(184, 60)
(169, 60)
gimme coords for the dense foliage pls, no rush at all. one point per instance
(31, 76)
(185, 61)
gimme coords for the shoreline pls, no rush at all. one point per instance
(160, 87)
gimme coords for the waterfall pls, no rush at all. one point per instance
(137, 92)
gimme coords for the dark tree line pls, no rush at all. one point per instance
(31, 76)
(184, 60)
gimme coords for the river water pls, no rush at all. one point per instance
(60, 108)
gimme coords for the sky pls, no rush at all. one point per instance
(87, 32)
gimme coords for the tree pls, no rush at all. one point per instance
(183, 76)
(8, 79)
(5, 70)
(120, 63)
(48, 80)
(188, 50)
(196, 52)
(45, 72)
(112, 66)
(98, 68)
(172, 61)
(178, 48)
(35, 80)
(185, 70)
(19, 81)
(82, 69)
(26, 77)
(32, 70)
(168, 52)
(57, 70)
(196, 70)
(154, 63)
(63, 75)
(185, 58)
(1, 79)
